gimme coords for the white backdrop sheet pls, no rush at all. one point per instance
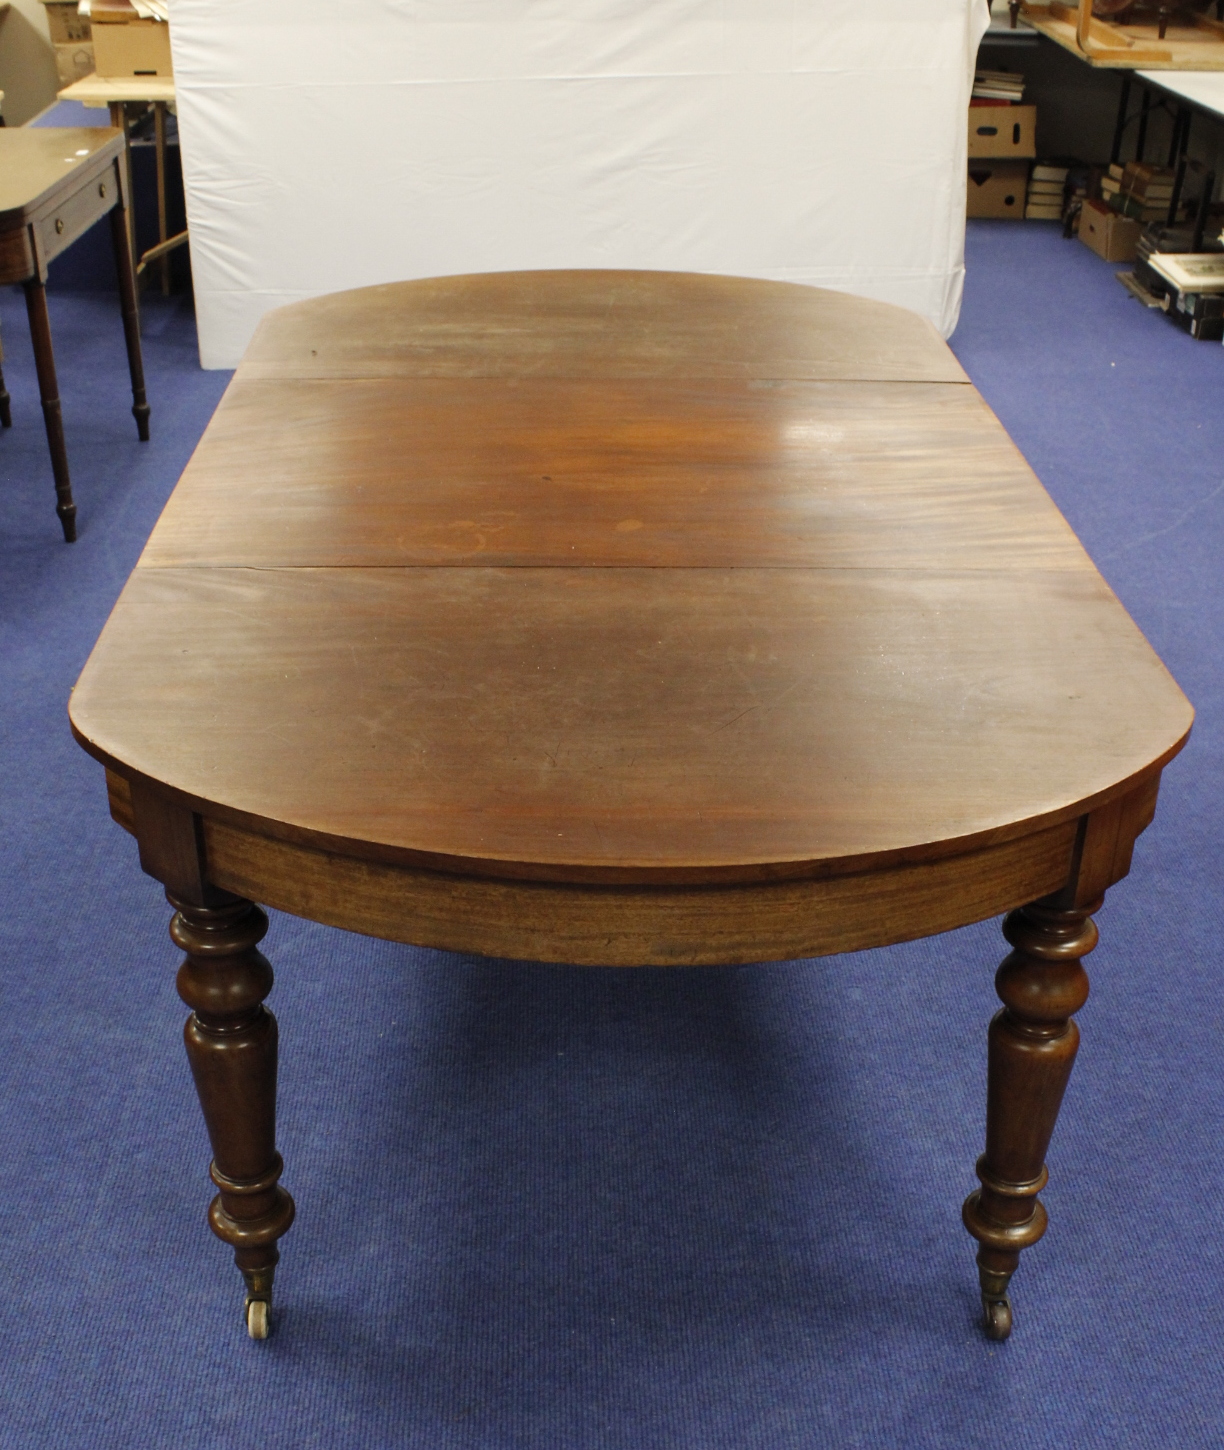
(333, 145)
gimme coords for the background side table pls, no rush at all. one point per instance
(115, 92)
(54, 184)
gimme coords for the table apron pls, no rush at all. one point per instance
(25, 251)
(59, 225)
(715, 924)
(637, 925)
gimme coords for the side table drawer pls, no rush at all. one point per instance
(75, 214)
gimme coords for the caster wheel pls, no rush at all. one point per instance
(998, 1314)
(257, 1318)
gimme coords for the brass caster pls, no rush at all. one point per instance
(257, 1320)
(998, 1318)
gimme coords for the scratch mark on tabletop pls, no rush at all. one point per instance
(726, 725)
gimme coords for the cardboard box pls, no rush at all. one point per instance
(139, 48)
(65, 25)
(1000, 131)
(74, 62)
(1110, 235)
(996, 189)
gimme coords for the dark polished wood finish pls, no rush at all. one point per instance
(231, 1039)
(231, 1046)
(626, 618)
(131, 318)
(48, 392)
(1032, 1047)
(55, 183)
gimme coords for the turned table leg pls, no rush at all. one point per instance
(131, 316)
(1032, 1047)
(231, 1045)
(48, 388)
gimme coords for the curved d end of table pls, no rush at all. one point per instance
(869, 804)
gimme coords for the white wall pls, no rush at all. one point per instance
(27, 61)
(330, 146)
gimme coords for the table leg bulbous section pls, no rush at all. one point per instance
(231, 1042)
(1032, 1047)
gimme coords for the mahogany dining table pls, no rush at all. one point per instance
(619, 618)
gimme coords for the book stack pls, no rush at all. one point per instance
(1045, 193)
(1160, 237)
(996, 88)
(1191, 272)
(1195, 291)
(1139, 190)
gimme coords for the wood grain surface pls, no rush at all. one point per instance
(37, 164)
(621, 619)
(624, 581)
(662, 924)
(1183, 47)
(598, 325)
(664, 473)
(619, 718)
(96, 90)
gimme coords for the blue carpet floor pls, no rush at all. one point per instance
(547, 1207)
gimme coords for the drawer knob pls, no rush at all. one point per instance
(102, 188)
(59, 223)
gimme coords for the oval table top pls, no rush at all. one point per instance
(623, 579)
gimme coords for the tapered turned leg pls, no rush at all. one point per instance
(131, 317)
(1032, 1047)
(231, 1045)
(48, 388)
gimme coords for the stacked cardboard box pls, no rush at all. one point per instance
(1003, 131)
(1109, 234)
(131, 38)
(1001, 142)
(72, 37)
(996, 189)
